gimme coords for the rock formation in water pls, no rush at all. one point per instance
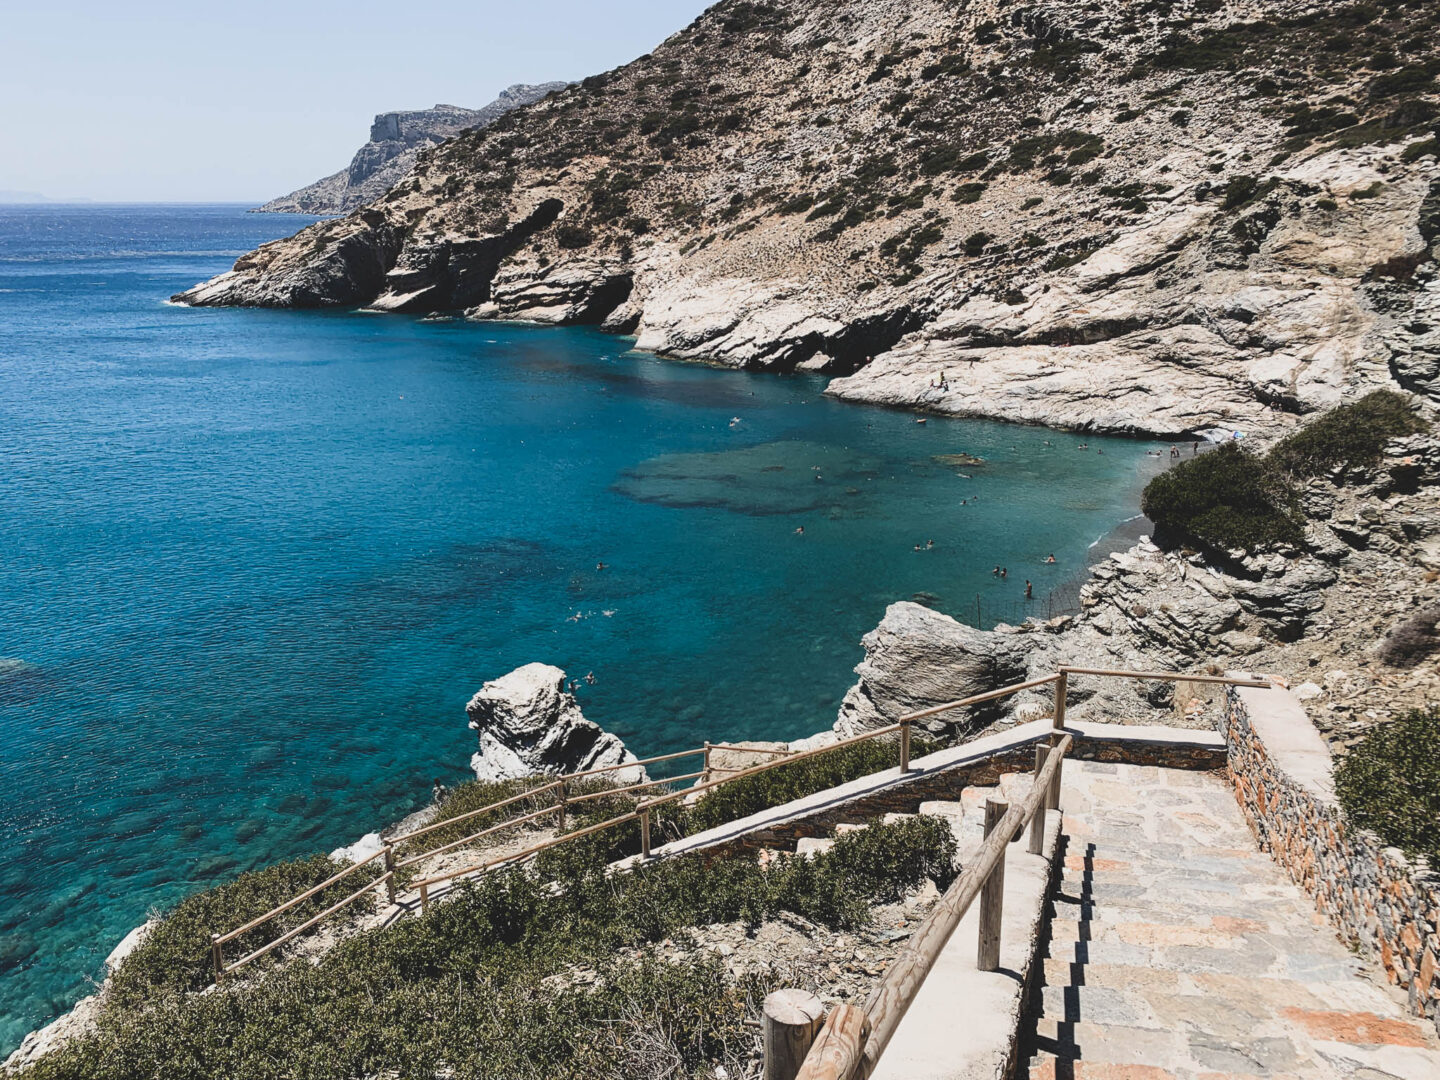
(1152, 217)
(396, 138)
(527, 724)
(1319, 614)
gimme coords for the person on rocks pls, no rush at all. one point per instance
(438, 792)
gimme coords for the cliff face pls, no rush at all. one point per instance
(395, 140)
(1153, 217)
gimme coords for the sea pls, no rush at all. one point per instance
(254, 563)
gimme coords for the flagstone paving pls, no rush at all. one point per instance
(1182, 952)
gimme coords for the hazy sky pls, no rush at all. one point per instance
(136, 100)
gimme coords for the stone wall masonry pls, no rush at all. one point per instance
(1379, 900)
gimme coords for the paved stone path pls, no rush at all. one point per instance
(1181, 951)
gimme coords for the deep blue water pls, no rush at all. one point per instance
(253, 564)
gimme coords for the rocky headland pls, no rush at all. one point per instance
(1163, 217)
(528, 724)
(396, 139)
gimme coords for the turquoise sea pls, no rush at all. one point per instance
(253, 564)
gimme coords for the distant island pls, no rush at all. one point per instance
(395, 139)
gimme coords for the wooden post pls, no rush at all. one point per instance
(791, 1019)
(1052, 798)
(390, 871)
(707, 761)
(837, 1050)
(904, 745)
(217, 955)
(645, 834)
(992, 897)
(424, 899)
(1061, 688)
(1037, 823)
(564, 795)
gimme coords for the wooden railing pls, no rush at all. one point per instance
(642, 812)
(849, 1045)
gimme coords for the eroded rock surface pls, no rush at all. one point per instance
(527, 724)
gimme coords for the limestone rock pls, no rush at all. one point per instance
(396, 138)
(917, 658)
(527, 725)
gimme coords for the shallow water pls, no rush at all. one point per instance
(253, 564)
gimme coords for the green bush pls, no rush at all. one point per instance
(175, 955)
(1232, 498)
(1226, 499)
(1390, 783)
(484, 986)
(1347, 437)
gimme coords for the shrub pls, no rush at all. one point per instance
(485, 985)
(1226, 499)
(1349, 436)
(175, 955)
(573, 236)
(976, 243)
(1413, 640)
(969, 193)
(1235, 499)
(1390, 783)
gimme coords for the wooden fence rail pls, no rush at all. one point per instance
(645, 806)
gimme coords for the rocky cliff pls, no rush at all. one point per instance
(1154, 216)
(396, 138)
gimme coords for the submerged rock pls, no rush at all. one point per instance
(527, 725)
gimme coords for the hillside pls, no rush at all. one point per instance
(1157, 216)
(396, 138)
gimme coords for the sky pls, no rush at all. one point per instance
(141, 101)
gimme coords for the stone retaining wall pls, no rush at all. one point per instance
(1373, 895)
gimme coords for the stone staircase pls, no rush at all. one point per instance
(966, 817)
(1180, 951)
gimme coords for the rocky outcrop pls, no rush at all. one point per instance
(1084, 217)
(395, 140)
(918, 658)
(527, 725)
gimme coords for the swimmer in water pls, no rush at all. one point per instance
(800, 530)
(1050, 558)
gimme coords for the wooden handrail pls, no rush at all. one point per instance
(634, 787)
(644, 806)
(576, 835)
(510, 823)
(233, 934)
(976, 699)
(308, 923)
(530, 794)
(892, 997)
(698, 789)
(1168, 676)
(752, 749)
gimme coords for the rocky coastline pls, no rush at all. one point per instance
(1058, 215)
